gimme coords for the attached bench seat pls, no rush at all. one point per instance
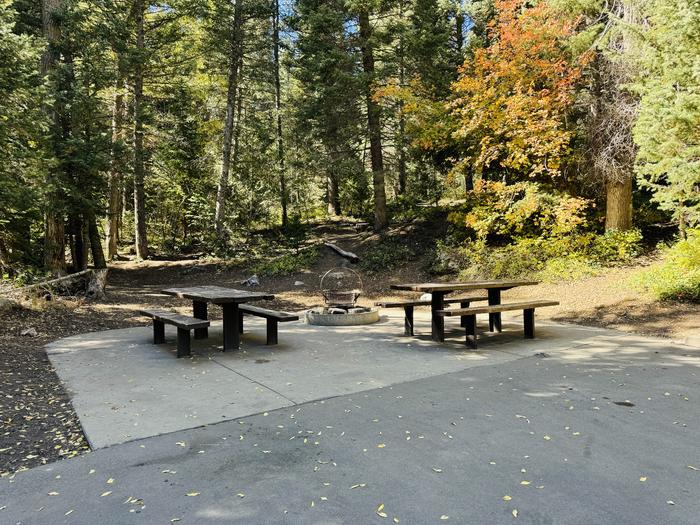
(468, 315)
(408, 307)
(273, 319)
(184, 326)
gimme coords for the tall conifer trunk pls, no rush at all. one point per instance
(141, 240)
(98, 255)
(618, 184)
(401, 138)
(284, 196)
(374, 124)
(116, 171)
(332, 183)
(236, 53)
(618, 206)
(54, 225)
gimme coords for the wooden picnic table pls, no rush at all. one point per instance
(227, 298)
(439, 290)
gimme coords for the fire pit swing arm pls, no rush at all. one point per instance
(341, 298)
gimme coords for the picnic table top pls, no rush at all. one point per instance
(466, 285)
(217, 294)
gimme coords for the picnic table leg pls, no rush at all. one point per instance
(463, 320)
(408, 320)
(199, 309)
(437, 302)
(158, 332)
(494, 318)
(470, 326)
(529, 323)
(183, 342)
(232, 337)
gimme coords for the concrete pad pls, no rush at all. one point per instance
(124, 388)
(544, 432)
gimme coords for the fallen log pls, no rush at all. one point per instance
(88, 283)
(353, 258)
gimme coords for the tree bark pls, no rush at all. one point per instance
(468, 181)
(231, 95)
(459, 32)
(333, 192)
(374, 124)
(116, 171)
(401, 138)
(618, 207)
(98, 256)
(140, 238)
(54, 228)
(284, 194)
(78, 244)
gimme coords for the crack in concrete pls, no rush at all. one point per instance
(254, 381)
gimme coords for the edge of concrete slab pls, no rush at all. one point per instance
(59, 348)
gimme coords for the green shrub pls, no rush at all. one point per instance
(385, 255)
(286, 264)
(616, 246)
(564, 258)
(494, 211)
(677, 276)
(570, 268)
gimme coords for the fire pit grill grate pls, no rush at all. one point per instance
(336, 293)
(341, 287)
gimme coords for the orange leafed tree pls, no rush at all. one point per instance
(511, 99)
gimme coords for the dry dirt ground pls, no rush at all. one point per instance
(37, 421)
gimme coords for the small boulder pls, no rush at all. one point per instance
(299, 283)
(252, 281)
(7, 304)
(29, 332)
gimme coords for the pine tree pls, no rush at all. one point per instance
(329, 92)
(21, 121)
(668, 129)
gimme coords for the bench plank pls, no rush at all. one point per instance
(273, 318)
(488, 309)
(468, 316)
(181, 321)
(282, 317)
(418, 302)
